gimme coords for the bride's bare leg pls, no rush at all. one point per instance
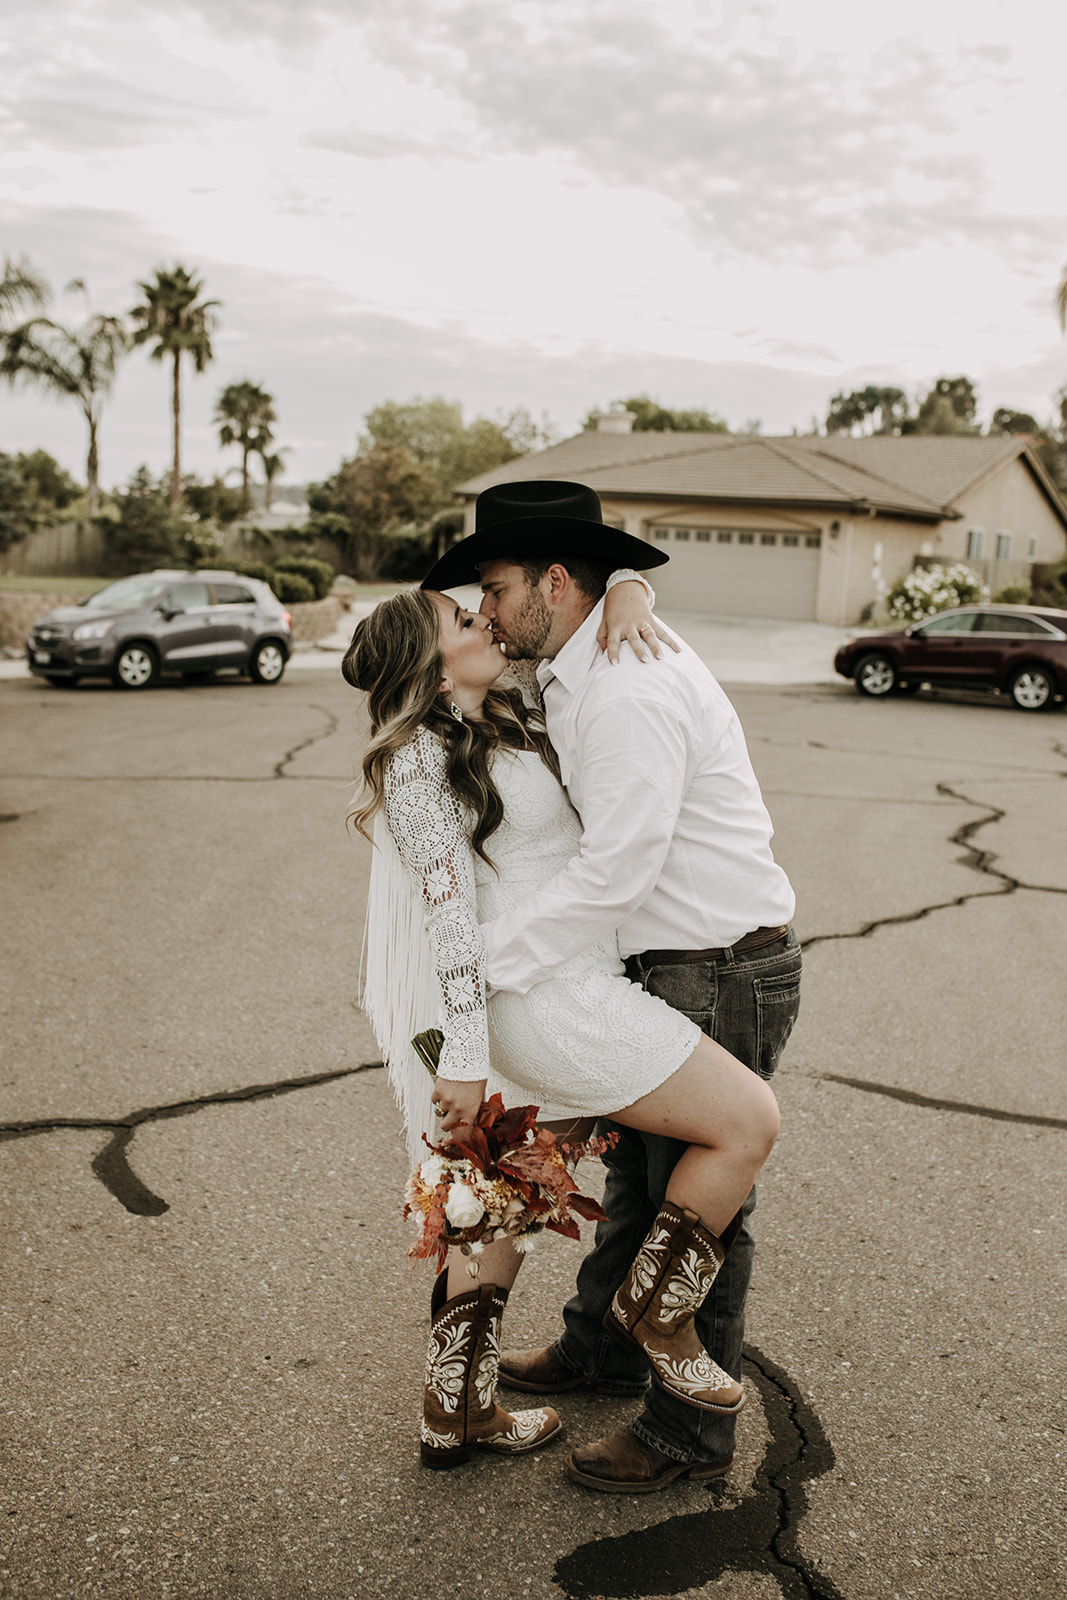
(729, 1118)
(498, 1264)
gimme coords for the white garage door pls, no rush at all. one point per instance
(738, 572)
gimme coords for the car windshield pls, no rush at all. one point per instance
(129, 594)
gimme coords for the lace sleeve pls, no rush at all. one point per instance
(428, 828)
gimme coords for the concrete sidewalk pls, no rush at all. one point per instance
(737, 649)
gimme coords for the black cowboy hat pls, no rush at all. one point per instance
(538, 517)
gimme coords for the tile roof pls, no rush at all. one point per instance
(915, 476)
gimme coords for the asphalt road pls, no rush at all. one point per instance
(211, 1344)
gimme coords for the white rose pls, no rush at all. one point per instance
(432, 1171)
(463, 1208)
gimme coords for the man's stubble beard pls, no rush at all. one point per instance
(529, 633)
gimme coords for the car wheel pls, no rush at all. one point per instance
(1032, 689)
(876, 676)
(267, 663)
(135, 667)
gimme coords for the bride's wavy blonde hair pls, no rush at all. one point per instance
(396, 658)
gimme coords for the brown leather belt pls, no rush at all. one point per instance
(674, 958)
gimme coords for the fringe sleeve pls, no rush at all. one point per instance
(423, 952)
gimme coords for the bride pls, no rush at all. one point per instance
(469, 815)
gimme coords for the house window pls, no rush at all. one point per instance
(661, 533)
(812, 541)
(746, 538)
(974, 543)
(1031, 547)
(724, 536)
(703, 535)
(791, 539)
(681, 533)
(1003, 546)
(768, 538)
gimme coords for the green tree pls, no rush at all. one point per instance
(448, 450)
(51, 486)
(146, 533)
(381, 491)
(949, 407)
(17, 519)
(22, 288)
(245, 411)
(273, 467)
(213, 501)
(70, 363)
(650, 417)
(871, 410)
(179, 323)
(1007, 421)
(1061, 301)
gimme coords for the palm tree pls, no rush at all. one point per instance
(180, 324)
(75, 362)
(1061, 300)
(273, 466)
(21, 287)
(246, 412)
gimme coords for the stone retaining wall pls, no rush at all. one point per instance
(18, 613)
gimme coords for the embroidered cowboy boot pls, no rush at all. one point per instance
(655, 1307)
(459, 1408)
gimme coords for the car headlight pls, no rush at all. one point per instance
(92, 630)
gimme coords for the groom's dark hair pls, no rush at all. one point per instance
(589, 575)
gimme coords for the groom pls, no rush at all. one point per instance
(676, 858)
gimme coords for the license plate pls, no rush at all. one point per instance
(42, 657)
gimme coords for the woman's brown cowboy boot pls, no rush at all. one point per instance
(460, 1409)
(665, 1287)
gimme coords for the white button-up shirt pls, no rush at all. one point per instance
(676, 843)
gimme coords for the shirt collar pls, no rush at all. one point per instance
(577, 657)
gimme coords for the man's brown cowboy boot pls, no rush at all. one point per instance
(665, 1287)
(459, 1408)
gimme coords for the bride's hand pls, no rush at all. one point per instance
(628, 615)
(459, 1101)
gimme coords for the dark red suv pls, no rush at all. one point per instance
(1020, 651)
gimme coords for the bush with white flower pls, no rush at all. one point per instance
(927, 590)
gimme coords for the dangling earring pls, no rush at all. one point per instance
(456, 712)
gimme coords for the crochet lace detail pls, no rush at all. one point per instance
(432, 837)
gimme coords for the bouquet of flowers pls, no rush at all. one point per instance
(505, 1178)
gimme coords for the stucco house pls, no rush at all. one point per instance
(812, 529)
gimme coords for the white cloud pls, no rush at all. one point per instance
(549, 203)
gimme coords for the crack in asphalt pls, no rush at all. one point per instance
(111, 1165)
(932, 1103)
(758, 1534)
(277, 771)
(975, 858)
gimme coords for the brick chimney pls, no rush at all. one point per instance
(616, 419)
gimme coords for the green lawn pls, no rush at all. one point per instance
(12, 584)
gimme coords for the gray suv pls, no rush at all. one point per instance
(192, 623)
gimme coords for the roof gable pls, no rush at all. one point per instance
(919, 476)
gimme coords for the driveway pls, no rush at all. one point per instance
(211, 1342)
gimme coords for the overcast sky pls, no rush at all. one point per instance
(545, 204)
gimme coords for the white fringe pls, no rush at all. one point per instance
(401, 992)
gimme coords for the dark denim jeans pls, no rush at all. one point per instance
(749, 1004)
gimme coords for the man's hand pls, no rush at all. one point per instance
(460, 1102)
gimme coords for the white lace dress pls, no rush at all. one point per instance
(586, 1040)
